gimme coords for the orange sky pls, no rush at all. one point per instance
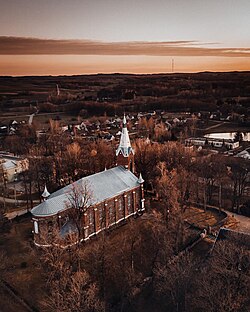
(84, 64)
(65, 37)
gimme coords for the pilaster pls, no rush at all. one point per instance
(96, 220)
(125, 205)
(106, 215)
(134, 201)
(116, 210)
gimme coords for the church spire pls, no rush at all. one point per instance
(124, 147)
(45, 193)
(124, 152)
(140, 180)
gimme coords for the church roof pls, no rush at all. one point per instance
(101, 186)
(125, 145)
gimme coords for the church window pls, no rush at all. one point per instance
(130, 204)
(120, 204)
(36, 227)
(101, 216)
(111, 212)
(120, 208)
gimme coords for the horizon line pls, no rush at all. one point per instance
(132, 74)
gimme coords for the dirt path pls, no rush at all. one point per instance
(18, 211)
(12, 200)
(11, 215)
(244, 223)
(215, 126)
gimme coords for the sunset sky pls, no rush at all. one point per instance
(64, 37)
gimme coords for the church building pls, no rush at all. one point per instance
(101, 200)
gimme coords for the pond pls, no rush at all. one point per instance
(227, 135)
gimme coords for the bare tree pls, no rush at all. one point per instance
(100, 156)
(74, 292)
(78, 203)
(69, 286)
(239, 171)
(146, 158)
(223, 284)
(173, 280)
(168, 191)
(173, 191)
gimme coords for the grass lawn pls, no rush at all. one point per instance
(201, 218)
(23, 271)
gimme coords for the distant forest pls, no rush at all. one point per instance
(115, 93)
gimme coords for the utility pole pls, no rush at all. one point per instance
(57, 90)
(2, 173)
(172, 65)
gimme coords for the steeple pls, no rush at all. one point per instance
(124, 152)
(45, 193)
(140, 180)
(125, 146)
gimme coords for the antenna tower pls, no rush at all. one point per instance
(172, 65)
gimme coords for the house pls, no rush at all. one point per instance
(244, 154)
(12, 166)
(213, 142)
(106, 199)
(3, 130)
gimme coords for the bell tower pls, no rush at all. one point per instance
(124, 152)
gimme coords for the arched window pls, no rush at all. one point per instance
(111, 212)
(130, 203)
(36, 229)
(101, 217)
(120, 208)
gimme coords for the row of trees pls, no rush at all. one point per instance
(209, 179)
(56, 159)
(219, 284)
(101, 277)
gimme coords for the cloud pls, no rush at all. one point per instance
(36, 46)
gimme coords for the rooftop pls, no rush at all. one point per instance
(100, 186)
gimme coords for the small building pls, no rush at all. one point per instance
(104, 200)
(12, 166)
(244, 154)
(213, 142)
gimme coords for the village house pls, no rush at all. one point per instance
(12, 166)
(244, 154)
(213, 142)
(105, 199)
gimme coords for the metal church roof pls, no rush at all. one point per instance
(101, 186)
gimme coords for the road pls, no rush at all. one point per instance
(244, 223)
(18, 212)
(215, 126)
(12, 200)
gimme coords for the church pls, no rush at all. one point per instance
(101, 200)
